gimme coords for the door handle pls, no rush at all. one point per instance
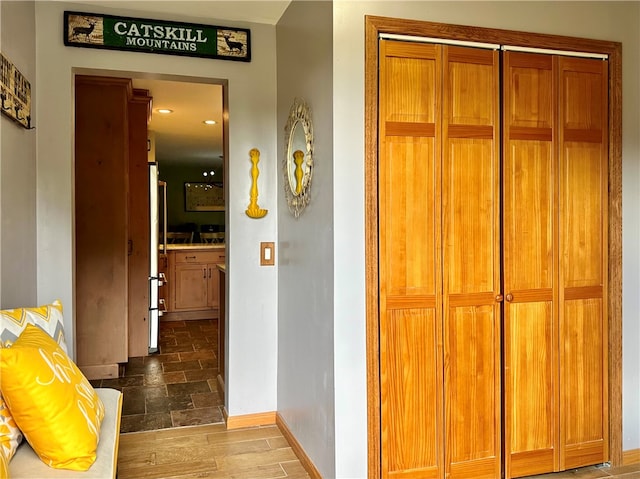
(509, 297)
(499, 298)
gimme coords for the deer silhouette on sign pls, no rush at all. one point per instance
(86, 31)
(233, 45)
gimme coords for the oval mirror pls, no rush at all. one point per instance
(297, 163)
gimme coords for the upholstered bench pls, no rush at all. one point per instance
(47, 405)
(25, 464)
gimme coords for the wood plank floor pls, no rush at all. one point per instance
(208, 451)
(252, 453)
(595, 472)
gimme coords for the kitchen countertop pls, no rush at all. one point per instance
(192, 246)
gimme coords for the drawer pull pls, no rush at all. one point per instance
(189, 257)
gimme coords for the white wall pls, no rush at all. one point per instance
(2, 126)
(18, 167)
(252, 289)
(631, 238)
(617, 21)
(305, 261)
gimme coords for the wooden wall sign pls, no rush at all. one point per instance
(156, 36)
(15, 93)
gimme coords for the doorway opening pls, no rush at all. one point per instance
(179, 385)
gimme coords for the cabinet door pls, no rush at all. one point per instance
(214, 286)
(213, 275)
(191, 286)
(101, 220)
(213, 279)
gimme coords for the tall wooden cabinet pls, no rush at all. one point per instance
(492, 261)
(139, 231)
(111, 262)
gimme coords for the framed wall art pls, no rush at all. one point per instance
(203, 197)
(15, 93)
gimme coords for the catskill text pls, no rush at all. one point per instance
(159, 36)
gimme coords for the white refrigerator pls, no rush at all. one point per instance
(157, 221)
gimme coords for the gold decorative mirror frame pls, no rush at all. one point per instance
(297, 164)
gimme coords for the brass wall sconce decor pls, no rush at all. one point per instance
(297, 164)
(254, 211)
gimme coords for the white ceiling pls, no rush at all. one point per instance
(182, 136)
(255, 11)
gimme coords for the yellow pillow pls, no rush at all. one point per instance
(10, 435)
(4, 465)
(51, 401)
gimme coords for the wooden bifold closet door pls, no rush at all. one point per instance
(439, 261)
(460, 224)
(555, 260)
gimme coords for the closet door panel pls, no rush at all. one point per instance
(410, 293)
(583, 225)
(528, 217)
(470, 241)
(528, 78)
(582, 377)
(530, 269)
(471, 262)
(531, 384)
(470, 389)
(410, 217)
(410, 73)
(583, 175)
(410, 388)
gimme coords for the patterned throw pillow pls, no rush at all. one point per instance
(4, 465)
(52, 402)
(12, 323)
(48, 317)
(10, 435)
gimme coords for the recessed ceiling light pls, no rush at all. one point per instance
(209, 122)
(164, 111)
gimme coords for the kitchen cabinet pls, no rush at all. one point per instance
(111, 254)
(139, 112)
(195, 280)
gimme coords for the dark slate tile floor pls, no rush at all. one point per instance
(176, 387)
